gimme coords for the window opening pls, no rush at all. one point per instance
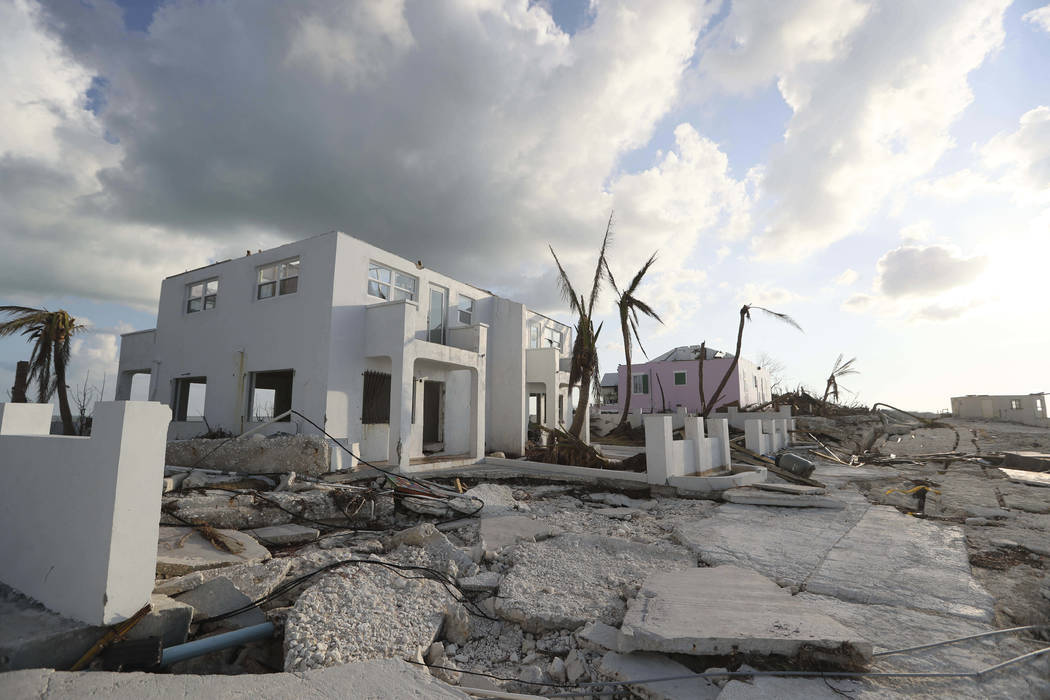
(466, 310)
(375, 398)
(640, 383)
(201, 295)
(188, 398)
(679, 378)
(270, 395)
(386, 283)
(278, 279)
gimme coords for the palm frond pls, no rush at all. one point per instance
(565, 286)
(777, 315)
(596, 284)
(645, 309)
(637, 280)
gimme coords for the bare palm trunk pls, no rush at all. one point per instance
(18, 392)
(627, 390)
(63, 398)
(732, 365)
(581, 406)
(703, 356)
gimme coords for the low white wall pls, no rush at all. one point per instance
(767, 436)
(666, 458)
(80, 516)
(737, 418)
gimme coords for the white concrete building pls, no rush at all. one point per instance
(1029, 409)
(380, 350)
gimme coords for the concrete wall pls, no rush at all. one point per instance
(738, 418)
(1032, 408)
(79, 518)
(767, 436)
(697, 454)
(740, 390)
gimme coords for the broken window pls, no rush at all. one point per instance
(534, 335)
(278, 279)
(1039, 406)
(375, 398)
(466, 310)
(679, 378)
(386, 283)
(188, 398)
(1015, 404)
(640, 384)
(201, 295)
(270, 395)
(553, 337)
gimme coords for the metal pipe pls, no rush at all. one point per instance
(199, 647)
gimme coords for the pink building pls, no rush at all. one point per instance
(673, 379)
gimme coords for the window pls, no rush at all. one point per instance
(188, 398)
(552, 338)
(390, 284)
(270, 395)
(679, 378)
(534, 335)
(1039, 406)
(375, 398)
(1015, 404)
(278, 279)
(201, 295)
(640, 384)
(466, 310)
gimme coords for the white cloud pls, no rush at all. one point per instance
(1040, 17)
(910, 270)
(847, 277)
(769, 296)
(874, 90)
(1023, 156)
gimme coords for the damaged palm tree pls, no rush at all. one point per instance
(839, 370)
(629, 305)
(745, 316)
(584, 368)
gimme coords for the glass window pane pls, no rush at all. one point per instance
(266, 290)
(377, 290)
(193, 305)
(267, 274)
(289, 285)
(196, 290)
(400, 294)
(290, 269)
(209, 302)
(211, 287)
(378, 272)
(406, 282)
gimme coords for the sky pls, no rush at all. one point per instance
(879, 170)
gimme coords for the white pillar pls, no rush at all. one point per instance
(718, 429)
(694, 432)
(658, 448)
(400, 439)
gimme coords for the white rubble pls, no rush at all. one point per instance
(641, 666)
(181, 550)
(760, 497)
(289, 533)
(728, 609)
(504, 531)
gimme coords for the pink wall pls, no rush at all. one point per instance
(687, 395)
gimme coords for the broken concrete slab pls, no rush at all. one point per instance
(220, 596)
(1028, 478)
(504, 531)
(728, 610)
(641, 666)
(169, 619)
(304, 454)
(895, 559)
(799, 489)
(181, 550)
(603, 571)
(199, 478)
(619, 500)
(371, 680)
(289, 533)
(496, 497)
(361, 612)
(619, 513)
(785, 544)
(1030, 461)
(758, 497)
(774, 688)
(223, 509)
(486, 581)
(254, 580)
(599, 636)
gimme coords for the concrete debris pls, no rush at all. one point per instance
(599, 636)
(773, 688)
(181, 550)
(436, 551)
(641, 666)
(223, 509)
(305, 454)
(604, 572)
(1027, 460)
(253, 580)
(727, 610)
(619, 513)
(504, 531)
(1025, 477)
(290, 533)
(798, 489)
(486, 581)
(220, 596)
(457, 624)
(497, 498)
(371, 680)
(619, 500)
(168, 619)
(199, 478)
(764, 497)
(361, 612)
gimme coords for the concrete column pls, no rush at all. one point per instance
(658, 453)
(123, 390)
(753, 436)
(477, 415)
(718, 429)
(694, 433)
(400, 411)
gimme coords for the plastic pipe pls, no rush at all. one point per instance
(199, 647)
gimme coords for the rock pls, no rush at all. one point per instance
(759, 497)
(602, 572)
(619, 513)
(181, 550)
(486, 581)
(574, 666)
(497, 498)
(600, 637)
(169, 619)
(289, 533)
(531, 674)
(306, 454)
(253, 580)
(557, 670)
(414, 536)
(640, 666)
(220, 596)
(727, 610)
(504, 531)
(457, 624)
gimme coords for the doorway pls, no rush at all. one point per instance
(437, 314)
(433, 416)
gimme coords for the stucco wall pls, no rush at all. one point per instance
(79, 517)
(739, 389)
(1032, 410)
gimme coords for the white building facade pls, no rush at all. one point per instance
(382, 352)
(1029, 409)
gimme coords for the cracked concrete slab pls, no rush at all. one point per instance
(504, 531)
(640, 666)
(760, 497)
(602, 571)
(181, 550)
(728, 610)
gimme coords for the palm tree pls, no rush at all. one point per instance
(629, 306)
(584, 368)
(841, 369)
(51, 332)
(745, 315)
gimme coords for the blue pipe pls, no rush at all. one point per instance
(199, 647)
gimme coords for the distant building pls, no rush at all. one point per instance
(609, 388)
(1029, 409)
(673, 379)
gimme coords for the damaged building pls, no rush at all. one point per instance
(384, 352)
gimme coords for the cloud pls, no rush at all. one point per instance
(874, 90)
(1023, 156)
(912, 270)
(768, 296)
(1040, 17)
(848, 277)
